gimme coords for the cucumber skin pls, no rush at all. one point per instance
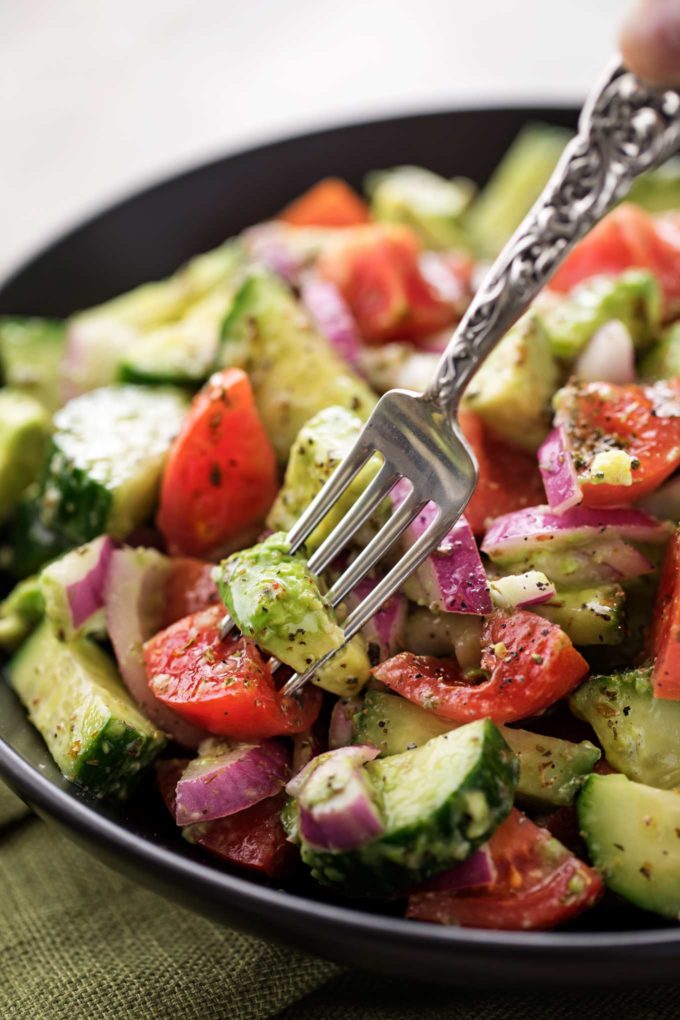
(395, 862)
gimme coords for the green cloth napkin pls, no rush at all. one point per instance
(78, 942)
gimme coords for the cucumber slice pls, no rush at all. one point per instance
(551, 770)
(430, 205)
(632, 833)
(20, 613)
(640, 734)
(31, 352)
(589, 616)
(293, 369)
(76, 700)
(439, 803)
(103, 473)
(24, 437)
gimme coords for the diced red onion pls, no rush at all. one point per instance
(341, 726)
(267, 244)
(74, 584)
(609, 356)
(519, 591)
(133, 606)
(331, 315)
(227, 777)
(385, 630)
(452, 579)
(356, 754)
(476, 872)
(348, 819)
(558, 472)
(519, 533)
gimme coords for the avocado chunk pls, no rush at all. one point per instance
(321, 445)
(640, 734)
(76, 700)
(663, 360)
(515, 185)
(551, 770)
(589, 616)
(31, 352)
(102, 474)
(513, 389)
(276, 601)
(24, 437)
(162, 332)
(20, 612)
(293, 370)
(633, 298)
(439, 803)
(631, 832)
(430, 205)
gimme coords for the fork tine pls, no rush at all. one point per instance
(348, 469)
(392, 581)
(226, 626)
(357, 515)
(377, 547)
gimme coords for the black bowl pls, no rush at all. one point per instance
(144, 238)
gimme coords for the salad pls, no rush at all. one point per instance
(500, 746)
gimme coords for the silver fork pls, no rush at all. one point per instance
(625, 128)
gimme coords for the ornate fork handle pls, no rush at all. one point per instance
(625, 128)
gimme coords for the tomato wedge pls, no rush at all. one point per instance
(529, 664)
(509, 478)
(253, 839)
(539, 885)
(666, 627)
(627, 238)
(330, 203)
(643, 421)
(225, 687)
(188, 589)
(378, 273)
(220, 478)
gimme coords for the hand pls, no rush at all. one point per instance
(650, 41)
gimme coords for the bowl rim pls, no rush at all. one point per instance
(76, 814)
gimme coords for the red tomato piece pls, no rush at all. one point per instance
(188, 589)
(644, 421)
(225, 687)
(220, 477)
(509, 478)
(625, 239)
(378, 273)
(254, 838)
(539, 885)
(529, 664)
(666, 627)
(330, 203)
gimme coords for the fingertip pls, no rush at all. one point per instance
(650, 42)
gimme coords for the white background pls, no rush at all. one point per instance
(100, 96)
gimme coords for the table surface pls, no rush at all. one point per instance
(99, 97)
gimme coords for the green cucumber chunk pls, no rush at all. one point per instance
(551, 770)
(632, 833)
(589, 616)
(103, 472)
(24, 437)
(640, 734)
(294, 371)
(321, 445)
(633, 298)
(663, 360)
(31, 352)
(439, 803)
(76, 700)
(658, 190)
(515, 185)
(20, 612)
(275, 600)
(430, 205)
(513, 389)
